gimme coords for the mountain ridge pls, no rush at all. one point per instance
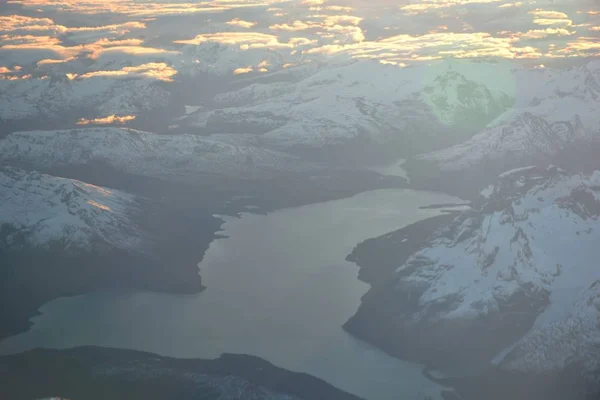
(500, 283)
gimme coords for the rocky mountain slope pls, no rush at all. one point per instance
(57, 97)
(365, 101)
(349, 111)
(61, 237)
(178, 157)
(557, 122)
(513, 281)
(38, 209)
(98, 373)
(494, 115)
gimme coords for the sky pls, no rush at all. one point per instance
(158, 39)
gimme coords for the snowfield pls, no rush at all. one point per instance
(358, 99)
(58, 96)
(526, 257)
(38, 209)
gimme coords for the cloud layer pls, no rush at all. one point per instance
(151, 39)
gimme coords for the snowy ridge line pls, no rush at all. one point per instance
(179, 157)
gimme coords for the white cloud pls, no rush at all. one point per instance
(242, 23)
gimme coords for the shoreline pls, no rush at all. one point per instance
(378, 258)
(374, 323)
(182, 221)
(34, 276)
(348, 351)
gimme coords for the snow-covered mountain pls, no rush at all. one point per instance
(562, 109)
(463, 104)
(384, 103)
(178, 157)
(514, 280)
(58, 96)
(37, 210)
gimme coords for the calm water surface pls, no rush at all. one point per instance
(278, 287)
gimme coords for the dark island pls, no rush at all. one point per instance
(96, 373)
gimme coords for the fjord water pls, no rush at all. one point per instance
(277, 287)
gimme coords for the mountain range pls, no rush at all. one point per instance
(176, 157)
(511, 281)
(558, 122)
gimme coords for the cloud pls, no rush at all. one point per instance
(42, 41)
(544, 33)
(26, 40)
(550, 18)
(352, 33)
(338, 29)
(42, 48)
(244, 39)
(341, 20)
(29, 49)
(21, 25)
(243, 70)
(12, 74)
(157, 71)
(297, 31)
(583, 46)
(345, 9)
(319, 21)
(111, 119)
(138, 8)
(472, 29)
(118, 42)
(425, 6)
(294, 26)
(433, 46)
(539, 13)
(132, 51)
(511, 5)
(242, 23)
(552, 22)
(49, 61)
